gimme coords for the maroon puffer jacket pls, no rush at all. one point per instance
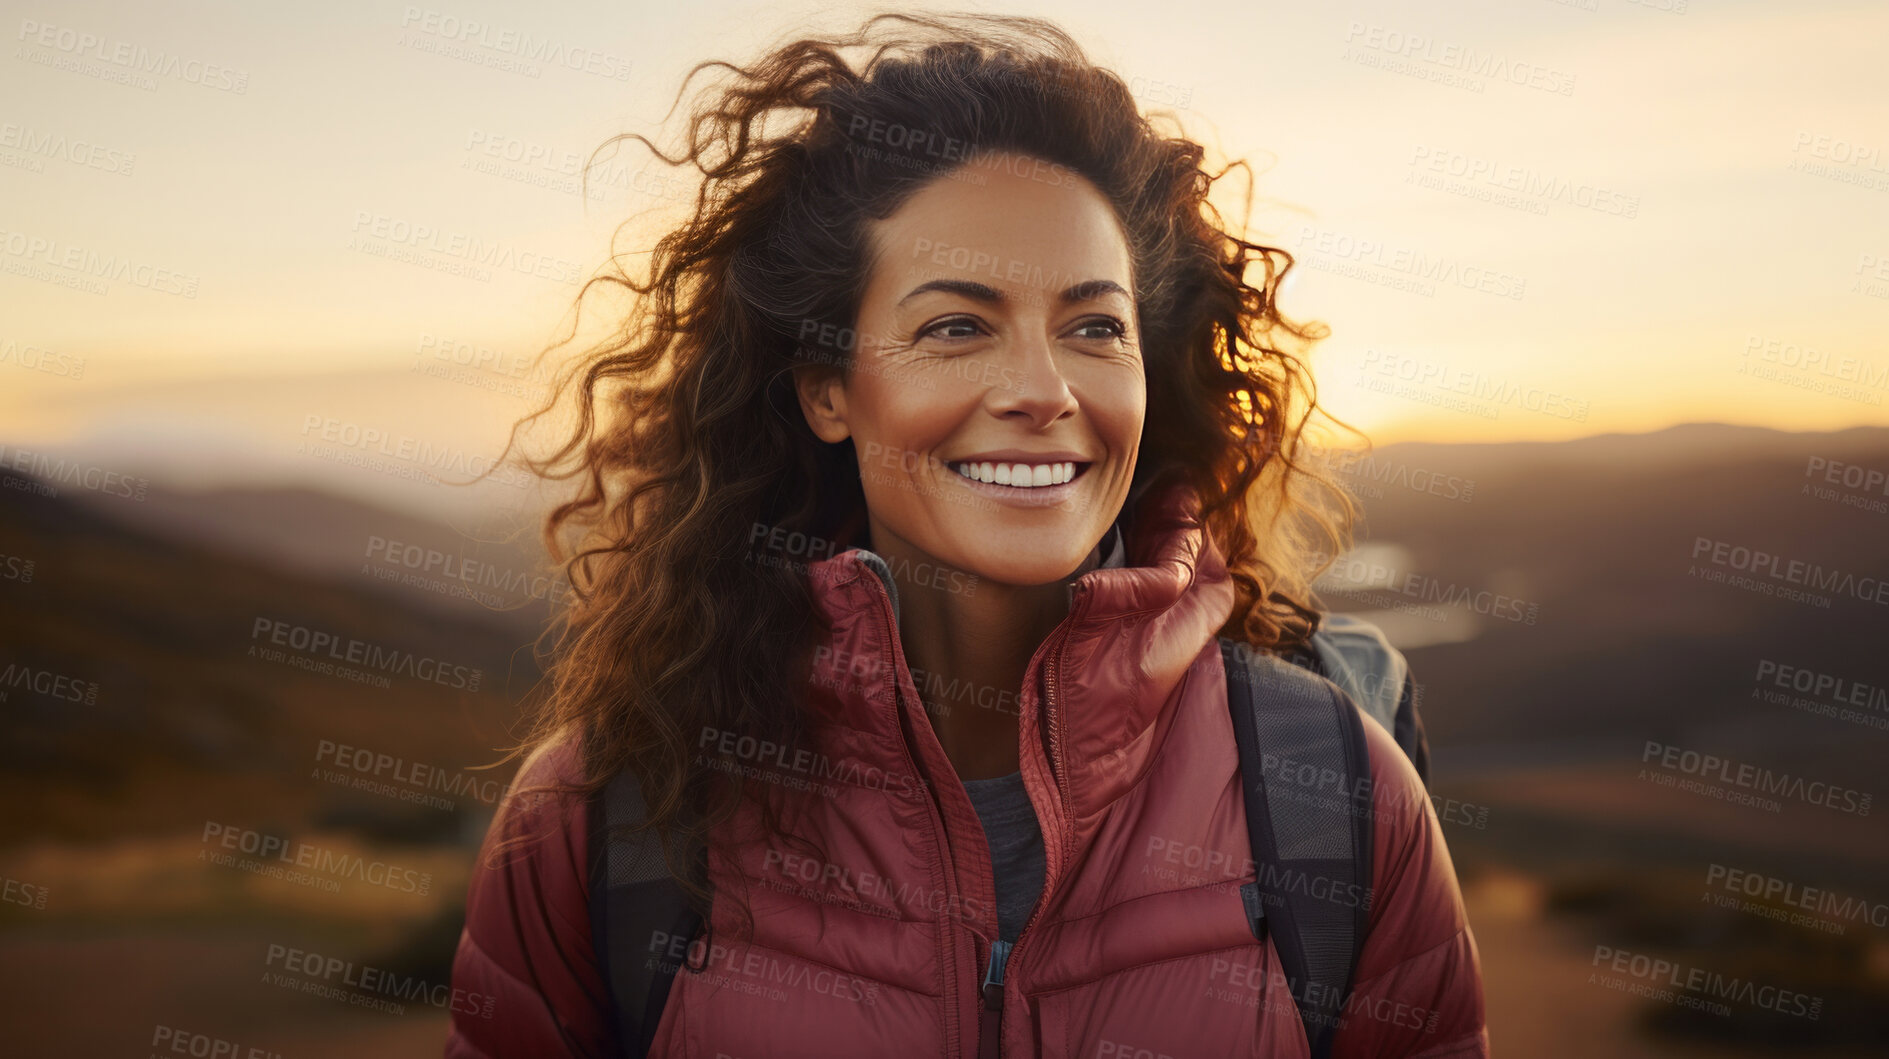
(1139, 947)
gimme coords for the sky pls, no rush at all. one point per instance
(1520, 220)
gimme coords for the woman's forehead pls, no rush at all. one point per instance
(1014, 233)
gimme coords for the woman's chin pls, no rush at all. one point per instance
(1022, 567)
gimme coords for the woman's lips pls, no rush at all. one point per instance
(1026, 496)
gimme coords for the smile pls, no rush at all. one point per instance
(1020, 475)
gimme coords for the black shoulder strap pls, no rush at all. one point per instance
(640, 920)
(1409, 731)
(1306, 775)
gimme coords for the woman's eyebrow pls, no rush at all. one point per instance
(1087, 290)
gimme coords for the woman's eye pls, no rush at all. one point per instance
(961, 327)
(1111, 328)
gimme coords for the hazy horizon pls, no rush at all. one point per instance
(1520, 221)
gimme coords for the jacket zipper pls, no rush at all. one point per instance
(890, 625)
(990, 1019)
(990, 1038)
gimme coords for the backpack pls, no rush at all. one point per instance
(1305, 776)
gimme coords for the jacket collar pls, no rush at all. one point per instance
(1137, 621)
(1112, 545)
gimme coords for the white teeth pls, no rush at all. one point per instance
(1020, 475)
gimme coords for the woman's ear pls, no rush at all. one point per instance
(822, 394)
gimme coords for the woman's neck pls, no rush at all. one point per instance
(968, 652)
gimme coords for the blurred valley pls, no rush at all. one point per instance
(1555, 600)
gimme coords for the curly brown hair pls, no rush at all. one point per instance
(687, 434)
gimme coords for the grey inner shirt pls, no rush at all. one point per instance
(1016, 839)
(1016, 847)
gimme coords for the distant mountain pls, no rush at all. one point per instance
(1631, 639)
(1681, 444)
(499, 569)
(150, 683)
(1550, 595)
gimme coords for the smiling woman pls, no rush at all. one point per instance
(1000, 431)
(957, 775)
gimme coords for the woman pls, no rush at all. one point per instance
(945, 437)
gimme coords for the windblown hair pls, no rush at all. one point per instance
(687, 435)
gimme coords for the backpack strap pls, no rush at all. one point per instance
(1409, 733)
(1306, 776)
(639, 916)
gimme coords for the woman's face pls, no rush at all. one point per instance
(997, 337)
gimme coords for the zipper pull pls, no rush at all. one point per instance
(994, 975)
(990, 1039)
